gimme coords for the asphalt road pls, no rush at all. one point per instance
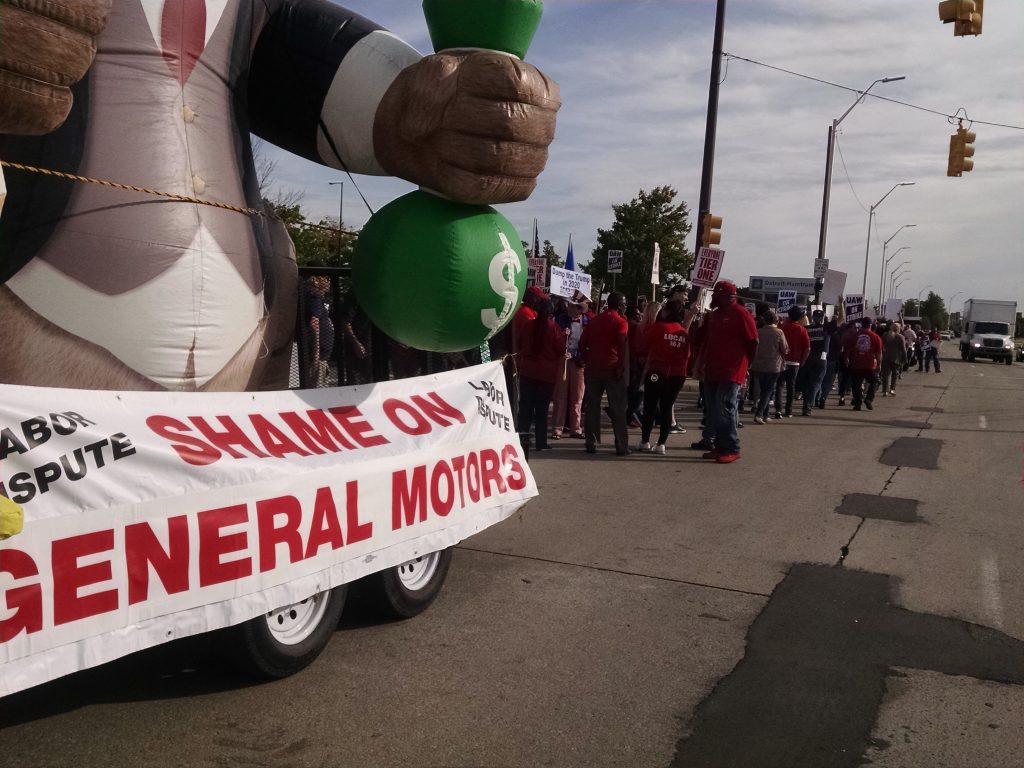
(848, 593)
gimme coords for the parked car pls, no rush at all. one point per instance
(946, 335)
(1020, 354)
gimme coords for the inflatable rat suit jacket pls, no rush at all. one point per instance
(114, 289)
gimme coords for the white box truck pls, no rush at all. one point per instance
(988, 327)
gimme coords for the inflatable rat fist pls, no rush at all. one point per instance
(45, 48)
(113, 289)
(473, 125)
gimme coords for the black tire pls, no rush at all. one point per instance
(407, 590)
(1009, 361)
(272, 653)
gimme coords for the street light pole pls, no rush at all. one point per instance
(823, 234)
(885, 245)
(922, 291)
(885, 267)
(896, 273)
(341, 208)
(901, 282)
(867, 248)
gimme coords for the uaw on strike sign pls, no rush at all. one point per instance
(151, 516)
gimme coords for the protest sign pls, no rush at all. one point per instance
(614, 262)
(151, 516)
(893, 309)
(751, 307)
(708, 267)
(854, 307)
(656, 266)
(835, 284)
(786, 300)
(820, 268)
(570, 285)
(536, 272)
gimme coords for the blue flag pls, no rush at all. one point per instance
(570, 262)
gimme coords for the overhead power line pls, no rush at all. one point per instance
(950, 117)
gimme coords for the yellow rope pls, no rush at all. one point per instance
(131, 188)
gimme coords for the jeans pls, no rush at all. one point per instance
(596, 384)
(788, 379)
(813, 373)
(660, 393)
(763, 385)
(931, 355)
(722, 414)
(826, 384)
(534, 399)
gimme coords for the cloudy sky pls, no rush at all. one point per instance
(634, 78)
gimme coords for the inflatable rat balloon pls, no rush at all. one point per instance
(110, 288)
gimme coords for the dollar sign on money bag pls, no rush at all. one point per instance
(432, 273)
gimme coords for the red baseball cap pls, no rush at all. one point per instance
(725, 286)
(536, 292)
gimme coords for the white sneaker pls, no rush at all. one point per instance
(892, 392)
(659, 449)
(645, 447)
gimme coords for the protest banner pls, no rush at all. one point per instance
(570, 285)
(708, 267)
(854, 307)
(151, 516)
(786, 300)
(536, 272)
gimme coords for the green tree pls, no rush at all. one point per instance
(649, 218)
(317, 245)
(548, 253)
(934, 310)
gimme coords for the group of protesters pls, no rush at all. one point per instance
(639, 356)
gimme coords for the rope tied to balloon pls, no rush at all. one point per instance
(431, 272)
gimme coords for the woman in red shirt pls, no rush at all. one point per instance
(541, 361)
(668, 351)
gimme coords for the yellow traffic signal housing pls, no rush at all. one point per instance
(961, 150)
(965, 15)
(709, 230)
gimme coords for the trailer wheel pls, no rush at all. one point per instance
(288, 639)
(408, 589)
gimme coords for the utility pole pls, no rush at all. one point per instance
(704, 206)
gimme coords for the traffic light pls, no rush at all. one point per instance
(964, 15)
(961, 150)
(709, 230)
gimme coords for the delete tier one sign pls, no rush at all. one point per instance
(709, 267)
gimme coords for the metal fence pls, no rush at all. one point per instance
(337, 345)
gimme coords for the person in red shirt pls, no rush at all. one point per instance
(668, 353)
(863, 354)
(730, 344)
(799, 346)
(541, 363)
(527, 311)
(604, 351)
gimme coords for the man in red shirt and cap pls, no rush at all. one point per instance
(864, 356)
(730, 342)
